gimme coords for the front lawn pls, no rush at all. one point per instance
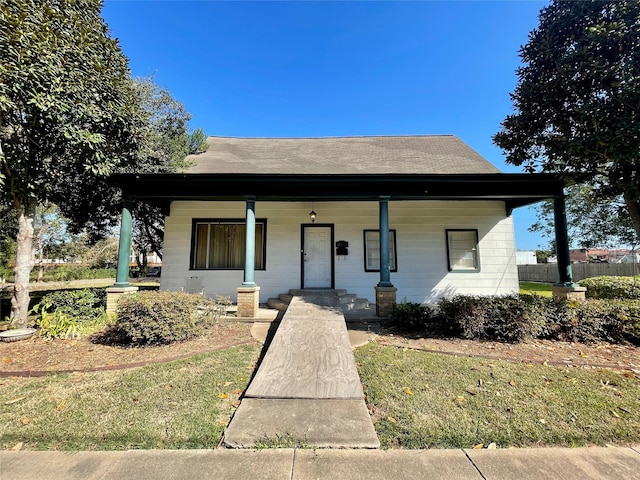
(181, 404)
(427, 400)
(419, 400)
(542, 289)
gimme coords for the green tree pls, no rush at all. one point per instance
(592, 221)
(163, 149)
(197, 141)
(69, 115)
(577, 99)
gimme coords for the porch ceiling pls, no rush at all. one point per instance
(515, 190)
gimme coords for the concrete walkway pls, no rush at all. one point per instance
(307, 390)
(289, 464)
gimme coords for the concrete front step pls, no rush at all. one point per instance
(348, 301)
(317, 291)
(286, 298)
(277, 304)
(356, 304)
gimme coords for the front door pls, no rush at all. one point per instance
(317, 256)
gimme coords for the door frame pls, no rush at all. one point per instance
(333, 264)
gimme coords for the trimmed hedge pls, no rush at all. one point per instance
(514, 318)
(608, 287)
(155, 318)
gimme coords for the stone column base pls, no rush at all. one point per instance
(565, 292)
(385, 300)
(248, 302)
(114, 294)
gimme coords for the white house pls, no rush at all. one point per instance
(255, 217)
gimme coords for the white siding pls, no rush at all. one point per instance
(420, 226)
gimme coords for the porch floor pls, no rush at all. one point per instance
(307, 387)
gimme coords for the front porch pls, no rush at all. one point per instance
(414, 220)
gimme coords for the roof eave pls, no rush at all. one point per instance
(516, 188)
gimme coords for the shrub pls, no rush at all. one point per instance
(70, 313)
(153, 317)
(608, 287)
(614, 321)
(509, 318)
(86, 303)
(413, 317)
(515, 318)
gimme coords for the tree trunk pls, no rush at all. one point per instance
(634, 212)
(24, 265)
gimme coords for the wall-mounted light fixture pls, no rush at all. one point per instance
(312, 214)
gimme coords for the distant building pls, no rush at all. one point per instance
(593, 255)
(526, 257)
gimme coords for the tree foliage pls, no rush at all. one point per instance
(69, 116)
(577, 102)
(592, 221)
(163, 149)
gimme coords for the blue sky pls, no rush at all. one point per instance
(306, 69)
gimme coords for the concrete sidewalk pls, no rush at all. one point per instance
(288, 464)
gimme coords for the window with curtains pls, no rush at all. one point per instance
(220, 244)
(372, 251)
(462, 251)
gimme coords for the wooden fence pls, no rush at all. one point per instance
(548, 272)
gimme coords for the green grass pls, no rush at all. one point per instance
(542, 289)
(456, 402)
(420, 400)
(182, 404)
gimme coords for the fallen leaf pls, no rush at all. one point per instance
(8, 360)
(16, 447)
(237, 391)
(61, 405)
(168, 387)
(25, 421)
(226, 384)
(543, 421)
(479, 446)
(392, 420)
(491, 446)
(613, 412)
(459, 400)
(407, 390)
(15, 400)
(223, 395)
(512, 383)
(236, 403)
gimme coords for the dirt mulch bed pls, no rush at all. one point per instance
(599, 355)
(36, 356)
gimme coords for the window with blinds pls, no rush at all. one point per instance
(462, 250)
(372, 251)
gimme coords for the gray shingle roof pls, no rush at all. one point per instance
(420, 154)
